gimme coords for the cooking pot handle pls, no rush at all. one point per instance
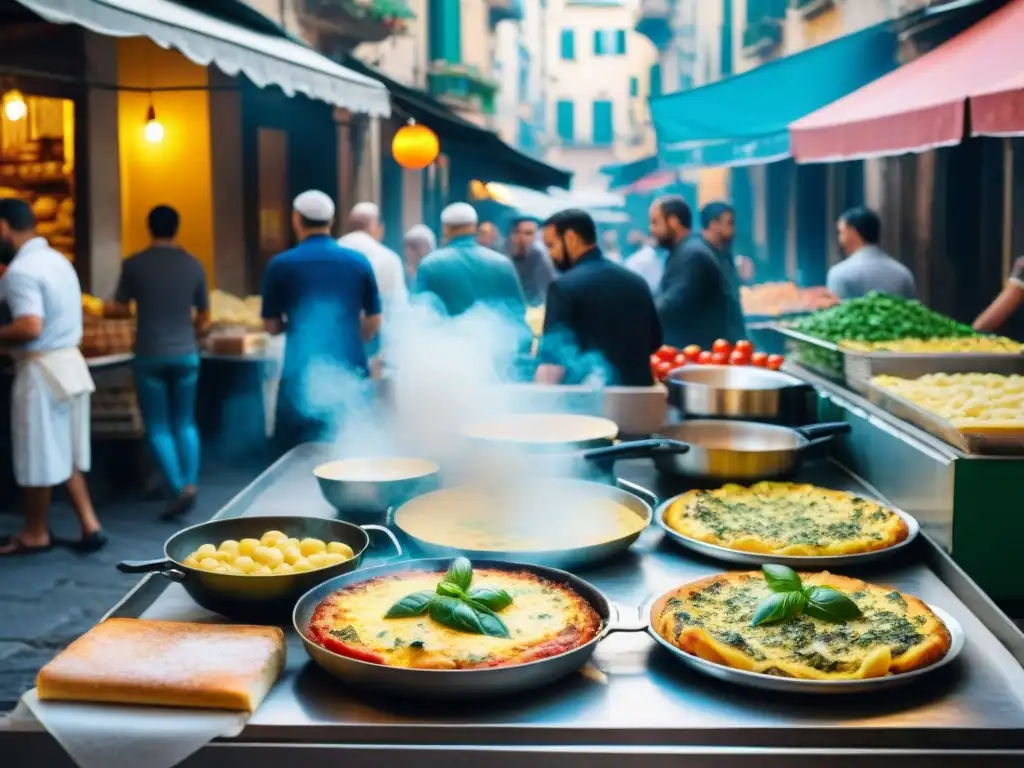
(818, 434)
(638, 490)
(617, 624)
(389, 534)
(638, 449)
(164, 567)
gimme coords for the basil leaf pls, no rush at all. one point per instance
(464, 617)
(780, 578)
(448, 589)
(830, 604)
(410, 605)
(495, 599)
(779, 606)
(460, 573)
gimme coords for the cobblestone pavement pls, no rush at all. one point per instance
(48, 600)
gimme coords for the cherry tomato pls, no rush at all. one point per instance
(775, 362)
(739, 358)
(744, 346)
(654, 361)
(723, 346)
(692, 352)
(704, 358)
(661, 370)
(719, 358)
(667, 354)
(760, 359)
(680, 361)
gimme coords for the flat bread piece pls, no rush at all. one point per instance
(168, 664)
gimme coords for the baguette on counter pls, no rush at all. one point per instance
(167, 663)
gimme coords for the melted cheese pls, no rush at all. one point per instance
(541, 612)
(475, 520)
(712, 619)
(786, 519)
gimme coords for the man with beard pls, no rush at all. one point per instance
(600, 322)
(532, 263)
(718, 221)
(50, 432)
(697, 302)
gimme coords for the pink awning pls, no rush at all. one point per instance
(921, 105)
(999, 111)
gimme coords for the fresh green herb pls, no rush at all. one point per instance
(347, 634)
(790, 598)
(455, 605)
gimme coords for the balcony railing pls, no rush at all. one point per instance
(462, 86)
(762, 37)
(654, 21)
(350, 22)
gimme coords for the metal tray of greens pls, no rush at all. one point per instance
(757, 559)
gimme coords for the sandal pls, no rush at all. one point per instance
(89, 543)
(21, 548)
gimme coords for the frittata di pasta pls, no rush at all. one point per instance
(711, 619)
(781, 518)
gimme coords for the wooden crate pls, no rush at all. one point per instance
(107, 336)
(115, 411)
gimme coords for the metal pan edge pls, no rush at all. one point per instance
(958, 640)
(756, 559)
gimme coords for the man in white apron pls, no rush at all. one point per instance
(50, 432)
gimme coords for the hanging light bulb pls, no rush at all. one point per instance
(154, 130)
(15, 107)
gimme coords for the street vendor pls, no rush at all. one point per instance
(531, 260)
(600, 322)
(866, 267)
(50, 415)
(324, 297)
(1006, 304)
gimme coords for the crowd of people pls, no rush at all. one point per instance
(604, 315)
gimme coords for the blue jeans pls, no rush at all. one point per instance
(166, 388)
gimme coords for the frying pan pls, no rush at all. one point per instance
(259, 599)
(459, 683)
(560, 432)
(639, 500)
(742, 451)
(740, 392)
(363, 489)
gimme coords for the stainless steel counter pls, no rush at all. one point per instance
(634, 700)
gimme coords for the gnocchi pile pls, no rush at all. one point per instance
(273, 554)
(970, 401)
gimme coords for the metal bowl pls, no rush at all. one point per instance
(794, 685)
(437, 684)
(757, 559)
(740, 392)
(363, 489)
(259, 599)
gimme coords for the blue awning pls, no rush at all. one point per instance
(624, 174)
(744, 119)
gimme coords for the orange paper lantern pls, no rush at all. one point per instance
(415, 146)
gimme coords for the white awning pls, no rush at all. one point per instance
(264, 59)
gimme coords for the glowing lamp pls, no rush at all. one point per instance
(415, 146)
(15, 107)
(154, 130)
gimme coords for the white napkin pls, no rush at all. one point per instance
(125, 736)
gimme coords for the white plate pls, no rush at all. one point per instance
(831, 687)
(796, 562)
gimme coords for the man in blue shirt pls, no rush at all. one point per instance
(324, 297)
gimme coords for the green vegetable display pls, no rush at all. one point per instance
(880, 317)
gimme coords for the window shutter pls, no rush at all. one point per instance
(634, 86)
(603, 129)
(566, 118)
(599, 42)
(444, 31)
(620, 41)
(568, 45)
(655, 84)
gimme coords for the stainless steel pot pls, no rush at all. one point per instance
(639, 500)
(742, 451)
(740, 392)
(452, 684)
(258, 599)
(389, 482)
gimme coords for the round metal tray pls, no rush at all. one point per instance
(829, 687)
(797, 562)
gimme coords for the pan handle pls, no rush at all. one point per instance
(390, 535)
(820, 433)
(638, 490)
(164, 567)
(638, 449)
(618, 624)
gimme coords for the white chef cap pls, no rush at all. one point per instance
(314, 205)
(459, 215)
(420, 233)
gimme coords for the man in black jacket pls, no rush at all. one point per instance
(697, 301)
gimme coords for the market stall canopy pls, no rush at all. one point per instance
(540, 205)
(745, 119)
(496, 160)
(999, 110)
(923, 104)
(266, 59)
(624, 174)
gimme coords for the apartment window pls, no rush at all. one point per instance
(620, 42)
(634, 86)
(655, 80)
(603, 129)
(609, 42)
(444, 31)
(568, 45)
(566, 121)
